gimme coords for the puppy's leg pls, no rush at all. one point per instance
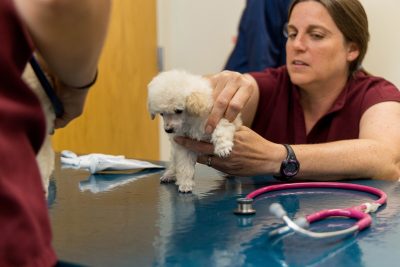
(222, 138)
(170, 174)
(45, 159)
(185, 166)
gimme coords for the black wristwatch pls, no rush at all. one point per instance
(290, 166)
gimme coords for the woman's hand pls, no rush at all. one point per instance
(69, 34)
(232, 91)
(73, 101)
(251, 154)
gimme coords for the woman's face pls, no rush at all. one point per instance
(317, 52)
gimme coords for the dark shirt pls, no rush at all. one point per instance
(25, 238)
(261, 41)
(280, 118)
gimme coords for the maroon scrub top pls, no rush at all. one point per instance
(25, 236)
(280, 118)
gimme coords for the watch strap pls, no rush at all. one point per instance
(290, 160)
(290, 152)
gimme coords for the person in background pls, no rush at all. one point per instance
(319, 117)
(261, 42)
(69, 34)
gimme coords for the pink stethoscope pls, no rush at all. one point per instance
(359, 213)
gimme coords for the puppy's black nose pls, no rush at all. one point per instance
(171, 130)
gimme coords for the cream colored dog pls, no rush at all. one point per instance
(184, 101)
(46, 155)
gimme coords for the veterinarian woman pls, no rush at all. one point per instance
(69, 34)
(340, 121)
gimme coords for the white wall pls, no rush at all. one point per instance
(383, 57)
(197, 36)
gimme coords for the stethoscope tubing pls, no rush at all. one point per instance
(348, 186)
(360, 213)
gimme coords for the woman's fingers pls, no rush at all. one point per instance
(231, 93)
(196, 146)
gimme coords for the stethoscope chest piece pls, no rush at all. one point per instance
(245, 207)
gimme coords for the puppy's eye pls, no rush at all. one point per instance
(161, 114)
(178, 111)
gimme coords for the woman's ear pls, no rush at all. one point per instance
(198, 104)
(352, 52)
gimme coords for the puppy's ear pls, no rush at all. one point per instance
(198, 104)
(150, 110)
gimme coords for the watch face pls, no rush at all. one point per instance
(291, 168)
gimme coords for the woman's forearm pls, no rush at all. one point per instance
(360, 158)
(69, 34)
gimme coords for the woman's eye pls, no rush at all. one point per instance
(291, 35)
(178, 111)
(316, 36)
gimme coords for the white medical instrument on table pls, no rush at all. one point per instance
(359, 213)
(96, 162)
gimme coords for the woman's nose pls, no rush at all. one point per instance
(299, 42)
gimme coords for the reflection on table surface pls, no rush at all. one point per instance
(133, 220)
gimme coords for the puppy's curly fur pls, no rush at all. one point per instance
(184, 101)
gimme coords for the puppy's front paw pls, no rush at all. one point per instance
(186, 187)
(223, 149)
(168, 177)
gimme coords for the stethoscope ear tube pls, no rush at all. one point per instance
(364, 220)
(277, 210)
(300, 224)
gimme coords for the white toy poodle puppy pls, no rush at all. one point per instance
(184, 101)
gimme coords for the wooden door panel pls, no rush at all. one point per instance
(115, 120)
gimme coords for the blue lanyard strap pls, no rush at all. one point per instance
(48, 88)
